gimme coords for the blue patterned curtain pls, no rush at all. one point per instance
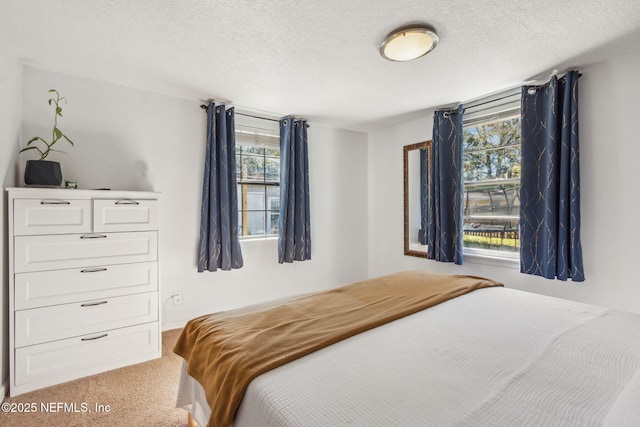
(550, 191)
(294, 232)
(444, 230)
(219, 243)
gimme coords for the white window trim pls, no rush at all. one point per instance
(262, 238)
(489, 257)
(485, 112)
(257, 132)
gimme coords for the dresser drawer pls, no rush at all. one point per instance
(125, 215)
(51, 216)
(43, 288)
(39, 253)
(64, 360)
(38, 325)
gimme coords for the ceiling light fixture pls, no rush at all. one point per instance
(408, 43)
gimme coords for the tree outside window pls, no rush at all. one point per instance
(491, 153)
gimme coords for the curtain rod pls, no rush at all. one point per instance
(272, 120)
(468, 105)
(454, 110)
(531, 82)
(204, 107)
(559, 75)
(257, 117)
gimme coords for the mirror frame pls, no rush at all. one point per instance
(406, 149)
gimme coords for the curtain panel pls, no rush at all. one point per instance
(294, 231)
(444, 227)
(550, 189)
(219, 246)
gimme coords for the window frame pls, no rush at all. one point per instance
(262, 133)
(498, 107)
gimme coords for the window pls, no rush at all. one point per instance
(258, 176)
(491, 177)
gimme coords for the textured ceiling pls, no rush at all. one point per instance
(317, 59)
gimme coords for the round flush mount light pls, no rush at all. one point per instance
(407, 44)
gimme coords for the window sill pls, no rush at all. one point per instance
(491, 259)
(258, 239)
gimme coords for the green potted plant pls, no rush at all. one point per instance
(44, 172)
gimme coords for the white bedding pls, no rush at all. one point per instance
(493, 357)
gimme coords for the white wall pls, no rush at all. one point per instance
(10, 118)
(610, 205)
(125, 136)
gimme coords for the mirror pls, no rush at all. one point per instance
(415, 196)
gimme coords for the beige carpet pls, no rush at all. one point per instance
(138, 395)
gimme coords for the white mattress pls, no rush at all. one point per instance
(493, 357)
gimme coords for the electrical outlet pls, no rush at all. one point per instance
(177, 298)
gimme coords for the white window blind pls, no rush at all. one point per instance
(257, 132)
(499, 106)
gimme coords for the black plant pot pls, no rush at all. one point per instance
(43, 172)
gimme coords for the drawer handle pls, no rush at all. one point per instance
(93, 304)
(55, 202)
(94, 236)
(92, 270)
(127, 202)
(95, 338)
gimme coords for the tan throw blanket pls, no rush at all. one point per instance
(225, 351)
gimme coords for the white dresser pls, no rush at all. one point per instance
(83, 283)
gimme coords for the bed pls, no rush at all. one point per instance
(491, 356)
